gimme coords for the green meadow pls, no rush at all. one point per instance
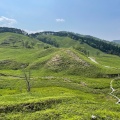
(64, 83)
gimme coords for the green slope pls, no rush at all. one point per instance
(8, 39)
(67, 42)
(65, 83)
(56, 60)
(70, 58)
(61, 41)
(104, 46)
(65, 61)
(58, 98)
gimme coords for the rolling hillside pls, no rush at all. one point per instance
(15, 40)
(51, 53)
(69, 78)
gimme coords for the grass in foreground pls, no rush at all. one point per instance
(57, 98)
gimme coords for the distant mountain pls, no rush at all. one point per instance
(116, 41)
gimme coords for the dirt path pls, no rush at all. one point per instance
(112, 91)
(111, 83)
(93, 60)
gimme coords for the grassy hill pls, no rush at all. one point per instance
(15, 40)
(15, 54)
(68, 79)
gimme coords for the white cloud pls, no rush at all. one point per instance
(7, 22)
(60, 20)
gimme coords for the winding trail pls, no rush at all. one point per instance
(112, 90)
(111, 83)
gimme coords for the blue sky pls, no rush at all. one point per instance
(99, 18)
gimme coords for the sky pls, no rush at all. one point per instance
(98, 18)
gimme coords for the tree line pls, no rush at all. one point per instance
(104, 46)
(13, 30)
